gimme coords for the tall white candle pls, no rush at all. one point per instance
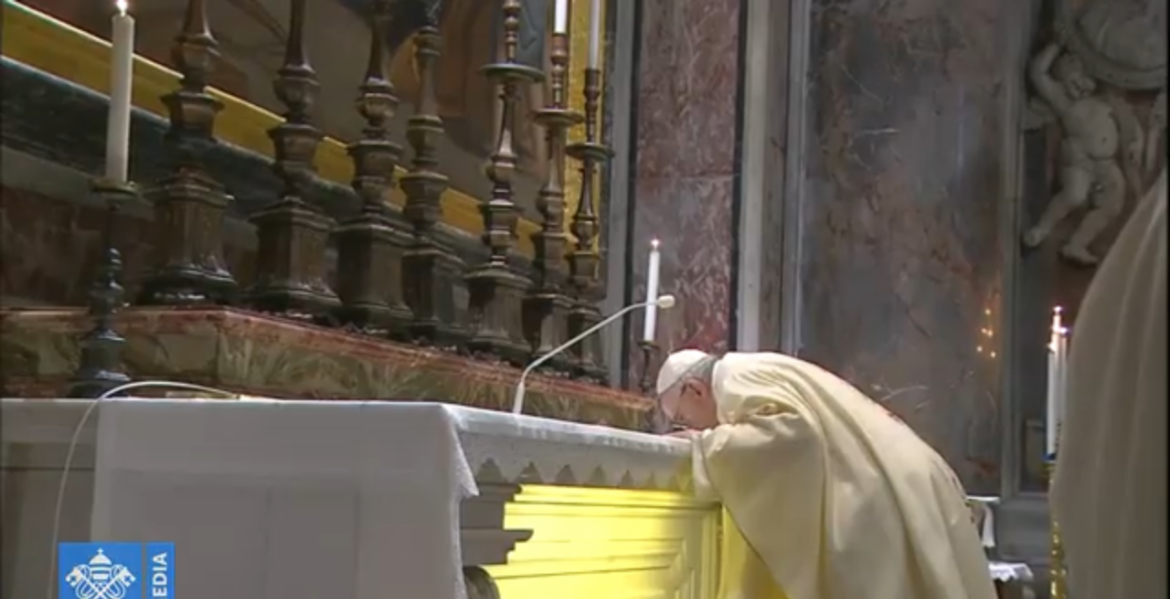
(1050, 413)
(1061, 379)
(121, 82)
(1052, 406)
(561, 17)
(651, 322)
(594, 34)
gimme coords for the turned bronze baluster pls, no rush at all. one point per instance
(292, 234)
(189, 204)
(99, 367)
(546, 308)
(370, 244)
(584, 259)
(496, 289)
(430, 266)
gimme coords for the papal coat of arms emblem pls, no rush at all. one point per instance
(100, 578)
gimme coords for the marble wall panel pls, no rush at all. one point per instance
(698, 273)
(902, 254)
(763, 210)
(684, 170)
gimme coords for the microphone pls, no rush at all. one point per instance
(664, 302)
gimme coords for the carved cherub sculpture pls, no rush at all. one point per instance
(1093, 128)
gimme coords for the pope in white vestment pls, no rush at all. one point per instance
(1109, 495)
(829, 495)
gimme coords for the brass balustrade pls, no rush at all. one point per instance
(430, 265)
(370, 244)
(292, 232)
(189, 204)
(397, 275)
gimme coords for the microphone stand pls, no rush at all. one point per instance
(665, 302)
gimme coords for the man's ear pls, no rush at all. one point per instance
(703, 407)
(697, 388)
(696, 394)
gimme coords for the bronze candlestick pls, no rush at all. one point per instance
(430, 266)
(649, 359)
(584, 259)
(100, 367)
(546, 307)
(292, 235)
(1057, 575)
(370, 244)
(189, 204)
(496, 289)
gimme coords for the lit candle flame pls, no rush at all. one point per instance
(122, 6)
(654, 243)
(1057, 329)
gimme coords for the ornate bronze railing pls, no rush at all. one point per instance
(397, 275)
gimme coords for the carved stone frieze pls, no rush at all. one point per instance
(1094, 82)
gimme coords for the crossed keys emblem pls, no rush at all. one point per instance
(100, 579)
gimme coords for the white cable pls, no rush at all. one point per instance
(73, 446)
(665, 302)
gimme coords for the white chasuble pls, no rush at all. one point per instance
(830, 496)
(1109, 495)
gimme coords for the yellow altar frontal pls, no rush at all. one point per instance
(590, 543)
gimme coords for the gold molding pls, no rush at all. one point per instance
(45, 43)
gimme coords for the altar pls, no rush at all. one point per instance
(300, 499)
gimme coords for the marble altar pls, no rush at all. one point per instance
(307, 499)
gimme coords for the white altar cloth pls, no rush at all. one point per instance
(309, 499)
(1010, 572)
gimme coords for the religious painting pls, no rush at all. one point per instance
(251, 36)
(1094, 141)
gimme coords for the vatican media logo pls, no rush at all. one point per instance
(116, 571)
